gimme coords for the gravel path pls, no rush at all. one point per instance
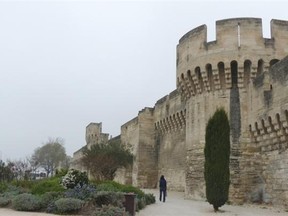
(176, 205)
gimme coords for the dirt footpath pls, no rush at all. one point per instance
(176, 205)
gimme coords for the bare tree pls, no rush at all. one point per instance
(50, 155)
(21, 168)
(6, 173)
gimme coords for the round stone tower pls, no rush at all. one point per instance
(223, 73)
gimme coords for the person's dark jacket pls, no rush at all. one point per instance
(162, 184)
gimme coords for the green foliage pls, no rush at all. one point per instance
(68, 205)
(74, 178)
(45, 185)
(217, 153)
(6, 173)
(13, 190)
(110, 211)
(84, 193)
(49, 198)
(108, 198)
(3, 187)
(103, 160)
(26, 202)
(25, 184)
(140, 203)
(149, 198)
(114, 186)
(4, 201)
(61, 172)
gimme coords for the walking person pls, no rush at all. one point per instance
(163, 188)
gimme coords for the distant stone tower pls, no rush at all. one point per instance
(94, 134)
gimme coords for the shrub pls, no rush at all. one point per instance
(217, 156)
(4, 201)
(50, 197)
(12, 191)
(110, 211)
(84, 193)
(149, 199)
(73, 178)
(62, 172)
(46, 185)
(106, 187)
(140, 203)
(26, 202)
(68, 205)
(114, 186)
(108, 198)
(3, 187)
(24, 184)
(51, 208)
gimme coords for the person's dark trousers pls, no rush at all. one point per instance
(162, 192)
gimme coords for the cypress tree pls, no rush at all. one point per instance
(217, 153)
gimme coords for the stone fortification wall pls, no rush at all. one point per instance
(139, 135)
(220, 73)
(241, 72)
(170, 122)
(147, 150)
(130, 138)
(199, 110)
(268, 125)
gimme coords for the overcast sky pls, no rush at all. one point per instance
(64, 64)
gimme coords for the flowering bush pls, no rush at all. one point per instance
(73, 178)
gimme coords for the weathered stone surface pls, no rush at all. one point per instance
(245, 74)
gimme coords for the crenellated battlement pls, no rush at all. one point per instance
(239, 46)
(244, 73)
(235, 33)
